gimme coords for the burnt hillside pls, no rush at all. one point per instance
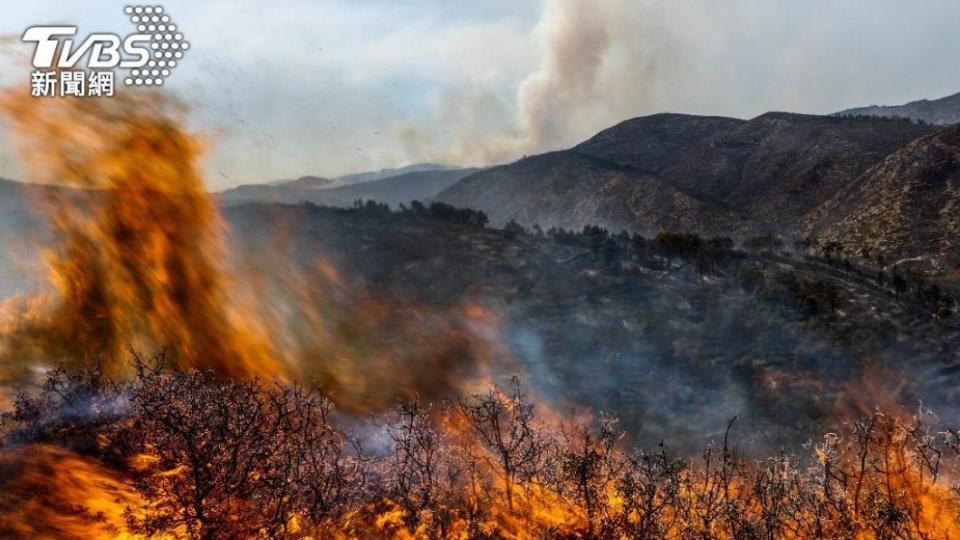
(674, 333)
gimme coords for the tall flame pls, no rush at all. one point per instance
(138, 259)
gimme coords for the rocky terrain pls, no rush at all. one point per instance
(905, 207)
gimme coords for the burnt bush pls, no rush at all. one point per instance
(227, 458)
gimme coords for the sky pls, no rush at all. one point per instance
(284, 89)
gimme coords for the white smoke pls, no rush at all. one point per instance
(563, 99)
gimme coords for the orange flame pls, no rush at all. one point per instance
(55, 493)
(138, 259)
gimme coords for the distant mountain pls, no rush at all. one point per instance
(940, 112)
(276, 191)
(373, 176)
(710, 175)
(13, 199)
(305, 182)
(316, 182)
(20, 201)
(394, 189)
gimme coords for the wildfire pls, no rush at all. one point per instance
(227, 445)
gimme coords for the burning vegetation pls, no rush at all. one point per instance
(174, 453)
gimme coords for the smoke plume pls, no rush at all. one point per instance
(576, 38)
(572, 92)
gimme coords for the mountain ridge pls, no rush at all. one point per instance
(768, 172)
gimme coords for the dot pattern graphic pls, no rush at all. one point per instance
(166, 44)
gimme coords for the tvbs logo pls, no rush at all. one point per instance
(67, 66)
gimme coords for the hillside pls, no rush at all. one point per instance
(907, 206)
(673, 338)
(306, 182)
(690, 358)
(774, 168)
(570, 190)
(941, 112)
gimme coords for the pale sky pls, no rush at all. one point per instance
(289, 88)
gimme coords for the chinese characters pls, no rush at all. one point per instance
(71, 84)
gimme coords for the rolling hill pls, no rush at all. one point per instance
(603, 322)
